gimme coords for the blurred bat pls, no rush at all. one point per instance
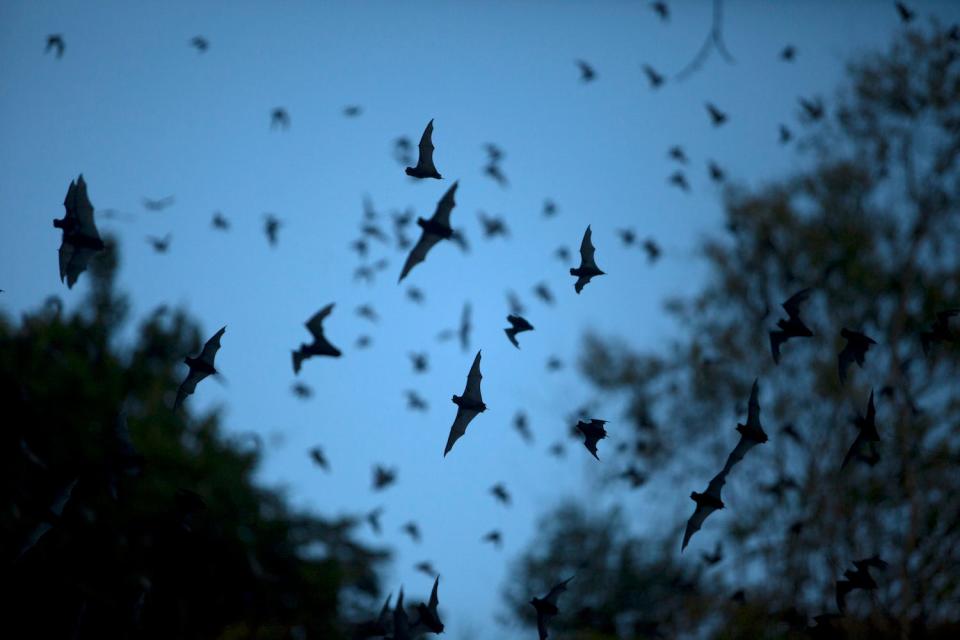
(679, 180)
(906, 14)
(707, 502)
(352, 110)
(521, 424)
(500, 492)
(425, 167)
(415, 402)
(367, 312)
(383, 477)
(434, 230)
(80, 240)
(785, 134)
(717, 173)
(634, 476)
(415, 295)
(587, 74)
(403, 150)
(301, 390)
(200, 367)
(859, 578)
(661, 9)
(812, 109)
(854, 351)
(562, 254)
(316, 454)
(588, 267)
(554, 363)
(867, 434)
(517, 325)
(220, 222)
(711, 559)
(546, 607)
(593, 432)
(788, 53)
(373, 519)
(493, 226)
(652, 249)
(469, 405)
(428, 615)
(466, 326)
(549, 208)
(557, 450)
(55, 43)
(751, 434)
(271, 225)
(493, 171)
(656, 80)
(160, 245)
(717, 117)
(412, 530)
(199, 43)
(493, 537)
(940, 330)
(494, 153)
(793, 326)
(516, 306)
(320, 345)
(677, 153)
(157, 205)
(279, 118)
(419, 361)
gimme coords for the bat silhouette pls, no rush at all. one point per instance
(717, 173)
(426, 569)
(160, 245)
(751, 434)
(549, 208)
(415, 402)
(425, 167)
(493, 226)
(554, 363)
(867, 434)
(220, 222)
(593, 432)
(587, 74)
(434, 230)
(546, 607)
(588, 267)
(652, 249)
(707, 502)
(427, 613)
(812, 109)
(403, 150)
(522, 425)
(562, 254)
(301, 390)
(517, 325)
(352, 110)
(320, 345)
(634, 476)
(361, 247)
(415, 295)
(316, 454)
(557, 450)
(469, 405)
(401, 624)
(656, 80)
(363, 342)
(200, 367)
(906, 14)
(788, 53)
(515, 304)
(80, 240)
(717, 117)
(500, 492)
(855, 350)
(859, 578)
(677, 153)
(271, 225)
(792, 326)
(940, 331)
(627, 236)
(493, 537)
(371, 230)
(493, 171)
(373, 519)
(55, 43)
(199, 43)
(494, 153)
(711, 559)
(159, 204)
(279, 118)
(419, 361)
(367, 312)
(679, 180)
(466, 326)
(412, 530)
(383, 477)
(48, 520)
(661, 9)
(377, 628)
(785, 134)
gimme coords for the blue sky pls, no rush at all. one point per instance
(140, 113)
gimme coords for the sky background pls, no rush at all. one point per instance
(142, 114)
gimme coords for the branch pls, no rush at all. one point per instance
(714, 40)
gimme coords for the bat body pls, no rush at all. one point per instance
(279, 118)
(320, 345)
(55, 43)
(593, 432)
(493, 537)
(428, 615)
(656, 79)
(419, 362)
(469, 405)
(707, 502)
(788, 53)
(867, 433)
(501, 494)
(271, 225)
(425, 167)
(200, 43)
(316, 454)
(547, 608)
(854, 351)
(517, 325)
(940, 331)
(200, 367)
(383, 477)
(434, 230)
(859, 578)
(792, 326)
(549, 208)
(679, 180)
(717, 117)
(751, 434)
(80, 240)
(588, 266)
(587, 73)
(661, 9)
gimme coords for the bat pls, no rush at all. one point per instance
(717, 117)
(371, 230)
(717, 174)
(656, 80)
(493, 226)
(469, 405)
(373, 519)
(522, 425)
(707, 502)
(367, 312)
(546, 607)
(515, 304)
(593, 432)
(652, 249)
(434, 230)
(677, 153)
(199, 43)
(80, 240)
(493, 171)
(906, 14)
(271, 225)
(785, 134)
(562, 254)
(361, 247)
(159, 204)
(627, 236)
(859, 578)
(279, 118)
(426, 569)
(867, 435)
(634, 476)
(587, 73)
(711, 559)
(792, 326)
(376, 628)
(494, 153)
(55, 43)
(517, 325)
(320, 345)
(412, 530)
(220, 222)
(465, 326)
(403, 150)
(788, 53)
(557, 450)
(554, 363)
(415, 295)
(316, 454)
(500, 492)
(160, 245)
(415, 402)
(588, 266)
(751, 434)
(854, 351)
(679, 180)
(383, 477)
(352, 110)
(549, 208)
(493, 537)
(200, 367)
(419, 361)
(401, 624)
(661, 9)
(427, 613)
(425, 167)
(363, 342)
(940, 330)
(812, 109)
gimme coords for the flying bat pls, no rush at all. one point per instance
(428, 615)
(812, 109)
(656, 80)
(279, 118)
(493, 537)
(401, 624)
(652, 249)
(200, 43)
(159, 204)
(383, 477)
(717, 117)
(367, 312)
(363, 342)
(493, 226)
(562, 253)
(557, 450)
(792, 326)
(867, 433)
(677, 153)
(717, 174)
(554, 363)
(271, 225)
(906, 13)
(55, 43)
(588, 267)
(634, 476)
(711, 559)
(546, 607)
(549, 208)
(316, 454)
(493, 171)
(352, 110)
(415, 402)
(200, 367)
(661, 9)
(80, 240)
(788, 53)
(785, 134)
(301, 390)
(466, 326)
(415, 295)
(751, 434)
(940, 330)
(500, 492)
(220, 222)
(859, 578)
(593, 432)
(517, 325)
(854, 351)
(377, 628)
(320, 345)
(373, 519)
(494, 153)
(419, 361)
(707, 502)
(160, 245)
(434, 230)
(403, 150)
(587, 74)
(425, 167)
(412, 530)
(522, 425)
(469, 405)
(515, 304)
(627, 236)
(679, 180)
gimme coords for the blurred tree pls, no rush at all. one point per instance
(158, 532)
(870, 221)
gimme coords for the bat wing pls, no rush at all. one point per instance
(853, 450)
(743, 446)
(459, 427)
(465, 326)
(581, 283)
(512, 336)
(777, 338)
(188, 386)
(79, 203)
(700, 514)
(445, 206)
(792, 305)
(74, 261)
(315, 323)
(753, 408)
(419, 252)
(434, 600)
(472, 391)
(587, 250)
(211, 347)
(542, 620)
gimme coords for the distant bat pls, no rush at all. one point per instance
(352, 110)
(320, 345)
(652, 249)
(301, 390)
(370, 230)
(159, 204)
(361, 246)
(854, 351)
(493, 171)
(425, 167)
(785, 134)
(415, 402)
(377, 628)
(717, 174)
(469, 405)
(80, 240)
(367, 312)
(707, 502)
(717, 117)
(517, 325)
(415, 295)
(906, 14)
(812, 109)
(434, 230)
(419, 361)
(383, 477)
(493, 537)
(220, 222)
(546, 607)
(494, 153)
(466, 326)
(557, 450)
(661, 9)
(412, 530)
(656, 80)
(867, 434)
(587, 74)
(940, 331)
(403, 150)
(549, 208)
(363, 342)
(634, 476)
(200, 43)
(751, 434)
(500, 492)
(160, 245)
(593, 432)
(373, 519)
(710, 559)
(859, 578)
(271, 225)
(677, 153)
(364, 272)
(493, 226)
(788, 53)
(55, 43)
(200, 367)
(627, 236)
(426, 568)
(792, 326)
(316, 454)
(427, 613)
(279, 118)
(588, 267)
(515, 304)
(562, 254)
(679, 180)
(554, 363)
(522, 425)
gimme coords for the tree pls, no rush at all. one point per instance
(161, 533)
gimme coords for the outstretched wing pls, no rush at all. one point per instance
(703, 511)
(434, 600)
(743, 446)
(512, 336)
(425, 166)
(212, 346)
(555, 592)
(472, 391)
(419, 252)
(74, 261)
(459, 427)
(188, 386)
(315, 323)
(587, 250)
(792, 305)
(445, 206)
